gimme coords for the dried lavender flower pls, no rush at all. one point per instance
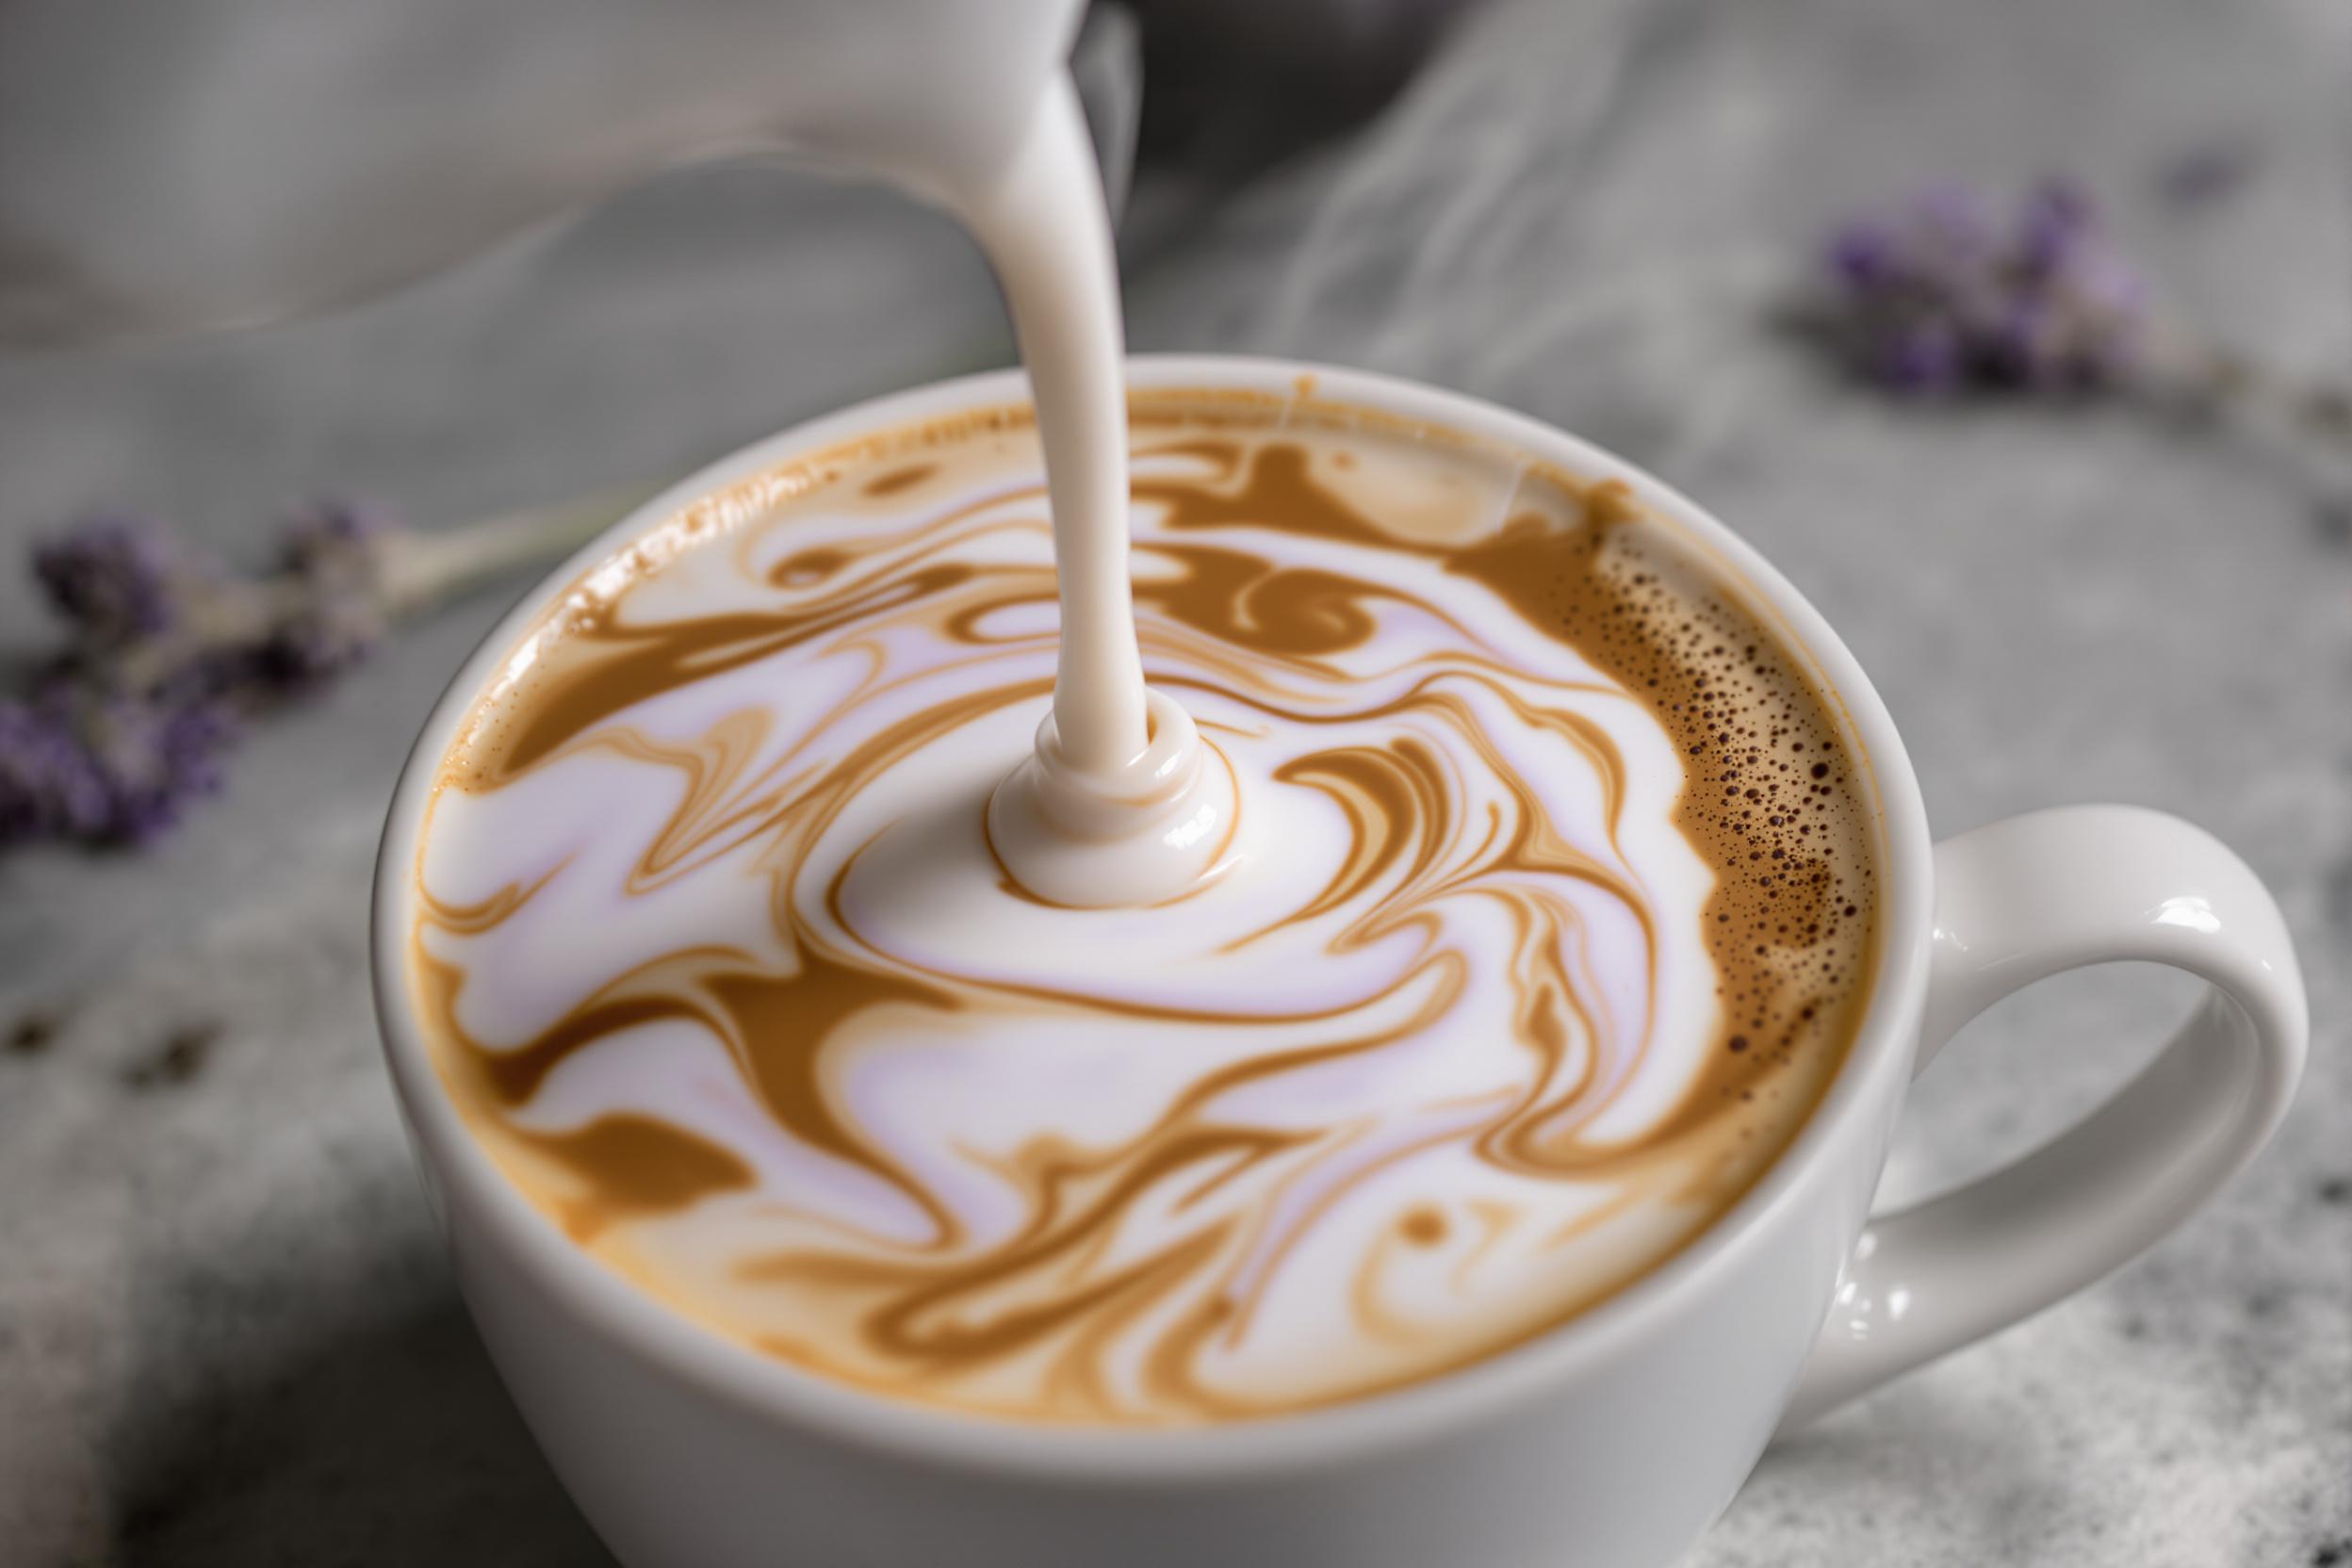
(102, 769)
(165, 654)
(146, 762)
(34, 756)
(132, 718)
(1944, 295)
(314, 643)
(336, 537)
(335, 550)
(113, 578)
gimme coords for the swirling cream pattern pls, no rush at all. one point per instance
(1545, 918)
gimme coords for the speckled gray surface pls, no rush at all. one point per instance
(227, 1335)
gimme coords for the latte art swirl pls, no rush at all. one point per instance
(1540, 918)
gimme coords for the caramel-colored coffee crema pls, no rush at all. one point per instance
(1545, 917)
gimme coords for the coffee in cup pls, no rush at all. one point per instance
(1540, 912)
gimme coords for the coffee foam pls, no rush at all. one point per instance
(1534, 939)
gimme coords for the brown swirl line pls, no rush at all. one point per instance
(1177, 1145)
(468, 920)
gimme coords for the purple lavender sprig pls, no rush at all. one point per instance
(75, 763)
(1944, 295)
(333, 553)
(164, 655)
(113, 578)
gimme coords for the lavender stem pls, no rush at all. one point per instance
(423, 568)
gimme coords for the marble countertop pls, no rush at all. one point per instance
(227, 1332)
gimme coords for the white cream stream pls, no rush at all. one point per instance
(1114, 805)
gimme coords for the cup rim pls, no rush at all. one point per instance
(1545, 1366)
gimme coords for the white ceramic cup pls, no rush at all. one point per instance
(1613, 1439)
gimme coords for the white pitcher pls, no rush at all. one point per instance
(170, 164)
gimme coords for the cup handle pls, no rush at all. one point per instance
(2016, 902)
